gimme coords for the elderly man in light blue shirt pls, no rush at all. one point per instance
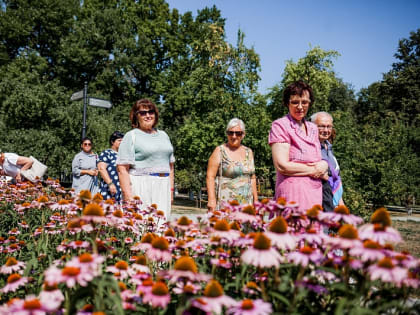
(324, 121)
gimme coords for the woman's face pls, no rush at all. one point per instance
(235, 136)
(87, 146)
(116, 144)
(299, 105)
(146, 117)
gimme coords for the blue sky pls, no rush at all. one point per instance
(365, 33)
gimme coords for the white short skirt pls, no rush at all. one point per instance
(153, 189)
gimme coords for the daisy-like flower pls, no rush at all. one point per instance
(222, 230)
(64, 205)
(215, 299)
(69, 275)
(51, 297)
(121, 269)
(386, 271)
(159, 295)
(251, 307)
(312, 237)
(159, 250)
(251, 288)
(93, 213)
(12, 265)
(78, 244)
(145, 286)
(145, 243)
(247, 214)
(370, 251)
(30, 306)
(221, 262)
(87, 261)
(14, 231)
(183, 224)
(380, 229)
(14, 281)
(188, 288)
(140, 264)
(348, 238)
(277, 233)
(261, 254)
(305, 255)
(341, 214)
(184, 268)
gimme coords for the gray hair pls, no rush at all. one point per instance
(314, 116)
(235, 122)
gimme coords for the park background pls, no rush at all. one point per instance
(128, 50)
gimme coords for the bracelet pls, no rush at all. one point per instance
(111, 183)
(172, 189)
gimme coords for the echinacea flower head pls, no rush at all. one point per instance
(342, 209)
(261, 254)
(370, 251)
(31, 305)
(215, 299)
(12, 265)
(184, 268)
(381, 216)
(94, 210)
(314, 211)
(305, 255)
(159, 295)
(159, 250)
(251, 307)
(85, 195)
(42, 199)
(348, 237)
(51, 297)
(97, 198)
(386, 271)
(14, 281)
(183, 224)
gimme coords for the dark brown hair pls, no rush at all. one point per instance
(297, 88)
(144, 102)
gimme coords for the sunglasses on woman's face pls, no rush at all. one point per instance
(87, 144)
(145, 112)
(236, 133)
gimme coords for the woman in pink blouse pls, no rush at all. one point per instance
(296, 150)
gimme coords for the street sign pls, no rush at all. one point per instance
(77, 96)
(99, 102)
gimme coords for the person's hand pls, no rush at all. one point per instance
(93, 172)
(112, 188)
(211, 205)
(320, 168)
(18, 177)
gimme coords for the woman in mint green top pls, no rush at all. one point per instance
(145, 160)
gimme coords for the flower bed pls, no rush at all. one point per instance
(79, 254)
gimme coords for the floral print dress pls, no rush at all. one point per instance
(235, 182)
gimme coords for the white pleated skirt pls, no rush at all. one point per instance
(153, 189)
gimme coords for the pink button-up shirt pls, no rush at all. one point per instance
(304, 148)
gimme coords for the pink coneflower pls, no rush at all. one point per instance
(121, 269)
(14, 231)
(215, 299)
(247, 214)
(312, 237)
(159, 295)
(64, 205)
(87, 261)
(251, 307)
(370, 251)
(30, 306)
(145, 243)
(341, 214)
(184, 268)
(269, 205)
(69, 275)
(380, 229)
(221, 262)
(12, 265)
(386, 271)
(261, 254)
(348, 238)
(305, 255)
(14, 281)
(222, 230)
(93, 213)
(183, 224)
(188, 288)
(140, 264)
(159, 250)
(251, 288)
(78, 244)
(145, 287)
(51, 297)
(23, 224)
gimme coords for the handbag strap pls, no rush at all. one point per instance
(219, 185)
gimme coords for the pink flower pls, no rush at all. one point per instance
(379, 233)
(51, 297)
(220, 262)
(186, 288)
(121, 270)
(158, 296)
(159, 250)
(386, 271)
(251, 307)
(214, 298)
(262, 254)
(69, 275)
(12, 265)
(30, 306)
(305, 255)
(370, 251)
(185, 269)
(14, 281)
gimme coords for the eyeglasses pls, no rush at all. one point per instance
(87, 144)
(236, 133)
(329, 127)
(145, 112)
(304, 103)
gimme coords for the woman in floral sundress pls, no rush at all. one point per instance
(233, 164)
